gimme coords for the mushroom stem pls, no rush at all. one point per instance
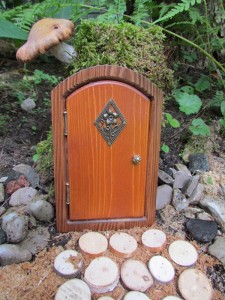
(64, 52)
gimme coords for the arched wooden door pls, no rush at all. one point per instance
(106, 137)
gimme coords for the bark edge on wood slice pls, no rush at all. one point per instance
(68, 263)
(154, 240)
(102, 275)
(73, 289)
(134, 295)
(183, 253)
(93, 244)
(135, 275)
(194, 285)
(172, 298)
(105, 298)
(161, 269)
(122, 244)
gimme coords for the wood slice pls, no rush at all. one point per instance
(161, 269)
(172, 298)
(154, 239)
(102, 275)
(122, 244)
(93, 244)
(133, 295)
(73, 289)
(105, 298)
(183, 253)
(194, 285)
(135, 275)
(68, 263)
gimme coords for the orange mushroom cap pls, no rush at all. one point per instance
(44, 34)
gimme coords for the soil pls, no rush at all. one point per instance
(18, 137)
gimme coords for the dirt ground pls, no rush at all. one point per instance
(37, 279)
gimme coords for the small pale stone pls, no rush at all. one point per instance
(205, 216)
(2, 197)
(164, 178)
(29, 172)
(41, 209)
(22, 196)
(192, 212)
(181, 179)
(217, 249)
(13, 254)
(191, 186)
(2, 210)
(164, 196)
(197, 194)
(3, 179)
(179, 200)
(28, 104)
(217, 208)
(181, 167)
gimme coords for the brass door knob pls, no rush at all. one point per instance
(136, 159)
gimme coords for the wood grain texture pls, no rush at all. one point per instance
(60, 96)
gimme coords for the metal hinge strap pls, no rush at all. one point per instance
(67, 193)
(65, 123)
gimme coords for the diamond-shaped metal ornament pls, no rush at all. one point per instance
(110, 122)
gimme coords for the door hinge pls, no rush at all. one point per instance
(67, 193)
(65, 123)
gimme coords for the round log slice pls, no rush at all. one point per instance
(183, 253)
(161, 269)
(134, 295)
(93, 244)
(73, 289)
(154, 239)
(122, 244)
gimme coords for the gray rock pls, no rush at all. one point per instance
(2, 210)
(164, 178)
(28, 104)
(36, 240)
(201, 230)
(179, 201)
(41, 209)
(197, 194)
(217, 208)
(181, 179)
(181, 167)
(22, 196)
(3, 237)
(191, 186)
(164, 196)
(198, 162)
(15, 226)
(2, 196)
(29, 172)
(217, 249)
(205, 216)
(192, 212)
(13, 254)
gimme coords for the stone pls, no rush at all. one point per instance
(36, 240)
(15, 226)
(201, 230)
(14, 185)
(179, 201)
(29, 172)
(22, 196)
(13, 254)
(192, 212)
(164, 178)
(3, 237)
(205, 216)
(181, 179)
(164, 196)
(2, 193)
(28, 104)
(216, 206)
(217, 249)
(183, 168)
(3, 179)
(41, 209)
(191, 186)
(198, 162)
(2, 210)
(197, 194)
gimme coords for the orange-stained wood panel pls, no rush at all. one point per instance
(104, 183)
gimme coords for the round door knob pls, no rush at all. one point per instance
(136, 159)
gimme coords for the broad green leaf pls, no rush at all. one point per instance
(189, 104)
(35, 157)
(199, 127)
(165, 148)
(10, 30)
(184, 89)
(202, 84)
(173, 122)
(222, 108)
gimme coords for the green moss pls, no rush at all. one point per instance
(125, 45)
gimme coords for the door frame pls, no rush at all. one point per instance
(59, 126)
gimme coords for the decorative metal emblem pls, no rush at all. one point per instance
(110, 122)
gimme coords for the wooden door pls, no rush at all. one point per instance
(104, 181)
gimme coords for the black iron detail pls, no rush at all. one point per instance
(110, 122)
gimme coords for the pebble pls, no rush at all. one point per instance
(181, 179)
(183, 168)
(192, 212)
(201, 230)
(217, 249)
(41, 209)
(164, 178)
(28, 104)
(2, 210)
(14, 185)
(3, 237)
(197, 194)
(191, 186)
(198, 162)
(179, 200)
(164, 196)
(2, 196)
(29, 172)
(217, 208)
(22, 196)
(13, 254)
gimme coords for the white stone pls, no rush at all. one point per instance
(22, 196)
(28, 104)
(164, 196)
(13, 254)
(41, 209)
(197, 194)
(217, 249)
(2, 196)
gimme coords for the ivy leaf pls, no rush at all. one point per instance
(189, 104)
(165, 148)
(173, 122)
(222, 108)
(199, 127)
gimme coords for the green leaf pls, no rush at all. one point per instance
(222, 122)
(165, 148)
(35, 157)
(9, 30)
(189, 104)
(222, 108)
(173, 122)
(202, 84)
(199, 127)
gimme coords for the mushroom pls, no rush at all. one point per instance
(48, 34)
